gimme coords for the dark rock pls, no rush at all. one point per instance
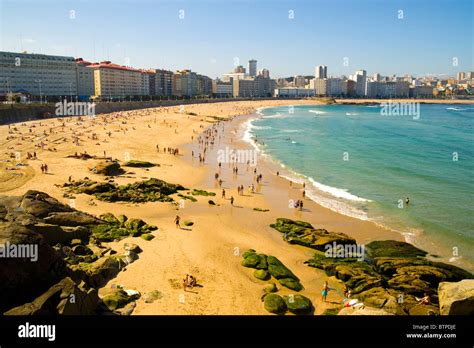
(139, 164)
(393, 248)
(21, 279)
(108, 168)
(73, 219)
(63, 298)
(40, 204)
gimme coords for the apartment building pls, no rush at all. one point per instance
(117, 81)
(37, 74)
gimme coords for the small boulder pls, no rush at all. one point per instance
(274, 303)
(261, 274)
(456, 298)
(298, 304)
(115, 299)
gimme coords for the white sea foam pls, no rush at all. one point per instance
(290, 130)
(455, 109)
(318, 196)
(337, 192)
(351, 114)
(318, 112)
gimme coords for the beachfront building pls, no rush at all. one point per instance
(163, 83)
(204, 85)
(360, 78)
(221, 89)
(329, 87)
(184, 83)
(388, 89)
(293, 92)
(252, 67)
(37, 74)
(421, 92)
(321, 72)
(85, 79)
(258, 86)
(117, 81)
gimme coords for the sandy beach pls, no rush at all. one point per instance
(211, 249)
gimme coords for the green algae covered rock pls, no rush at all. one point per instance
(298, 304)
(261, 274)
(274, 303)
(116, 299)
(291, 284)
(278, 270)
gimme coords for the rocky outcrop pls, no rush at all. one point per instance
(22, 279)
(267, 266)
(456, 298)
(303, 233)
(50, 245)
(392, 281)
(140, 164)
(63, 298)
(108, 168)
(152, 190)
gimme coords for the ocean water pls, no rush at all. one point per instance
(364, 164)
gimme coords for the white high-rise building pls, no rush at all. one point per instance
(360, 79)
(253, 67)
(321, 72)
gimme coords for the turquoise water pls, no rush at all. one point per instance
(364, 164)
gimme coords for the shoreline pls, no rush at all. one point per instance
(421, 240)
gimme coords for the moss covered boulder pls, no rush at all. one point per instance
(116, 299)
(274, 303)
(108, 168)
(139, 164)
(147, 236)
(271, 288)
(303, 233)
(151, 190)
(298, 304)
(291, 284)
(248, 252)
(393, 248)
(261, 274)
(251, 261)
(278, 270)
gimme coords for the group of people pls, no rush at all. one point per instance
(298, 204)
(189, 282)
(44, 168)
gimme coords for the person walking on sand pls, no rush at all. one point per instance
(176, 221)
(232, 200)
(407, 201)
(223, 193)
(325, 291)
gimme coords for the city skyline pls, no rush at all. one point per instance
(412, 47)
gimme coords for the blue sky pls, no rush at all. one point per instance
(151, 34)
